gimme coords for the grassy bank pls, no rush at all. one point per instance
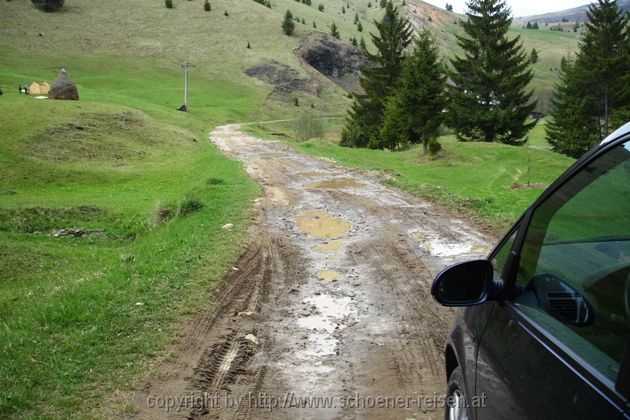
(493, 183)
(111, 236)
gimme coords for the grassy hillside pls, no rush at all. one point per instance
(491, 182)
(551, 45)
(85, 315)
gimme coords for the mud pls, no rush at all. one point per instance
(329, 305)
(336, 183)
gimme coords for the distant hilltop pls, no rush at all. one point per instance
(576, 14)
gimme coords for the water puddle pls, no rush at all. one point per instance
(320, 224)
(336, 183)
(440, 247)
(329, 275)
(330, 314)
(330, 246)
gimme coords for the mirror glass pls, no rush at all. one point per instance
(463, 284)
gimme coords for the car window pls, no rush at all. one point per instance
(574, 271)
(500, 256)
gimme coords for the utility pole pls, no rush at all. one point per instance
(186, 66)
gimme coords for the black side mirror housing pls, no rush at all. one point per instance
(466, 284)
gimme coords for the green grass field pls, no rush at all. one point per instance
(82, 317)
(486, 181)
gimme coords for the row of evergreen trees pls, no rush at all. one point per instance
(593, 94)
(406, 95)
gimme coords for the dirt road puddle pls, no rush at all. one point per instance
(330, 314)
(329, 275)
(321, 224)
(336, 183)
(440, 247)
(330, 246)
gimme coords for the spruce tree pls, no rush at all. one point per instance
(415, 112)
(603, 56)
(593, 92)
(573, 128)
(206, 6)
(533, 57)
(378, 80)
(489, 101)
(362, 44)
(359, 27)
(356, 18)
(288, 26)
(334, 31)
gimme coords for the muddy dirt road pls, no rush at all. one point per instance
(327, 313)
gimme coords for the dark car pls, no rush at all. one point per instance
(545, 328)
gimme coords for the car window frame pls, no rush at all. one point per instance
(600, 383)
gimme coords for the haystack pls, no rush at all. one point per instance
(38, 88)
(63, 88)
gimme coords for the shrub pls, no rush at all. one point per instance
(215, 181)
(168, 4)
(163, 213)
(434, 147)
(48, 5)
(307, 126)
(320, 7)
(190, 205)
(207, 6)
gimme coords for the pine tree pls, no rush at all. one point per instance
(533, 56)
(287, 24)
(354, 42)
(573, 128)
(248, 45)
(320, 7)
(362, 45)
(603, 56)
(334, 31)
(206, 6)
(168, 4)
(593, 92)
(314, 25)
(488, 97)
(343, 10)
(449, 7)
(378, 80)
(415, 112)
(356, 18)
(359, 27)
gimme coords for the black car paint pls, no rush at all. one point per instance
(521, 371)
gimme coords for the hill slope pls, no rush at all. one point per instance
(572, 15)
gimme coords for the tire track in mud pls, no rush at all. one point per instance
(279, 327)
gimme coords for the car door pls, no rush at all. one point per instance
(558, 345)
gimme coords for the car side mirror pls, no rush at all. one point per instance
(466, 284)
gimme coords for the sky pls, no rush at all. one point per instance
(520, 7)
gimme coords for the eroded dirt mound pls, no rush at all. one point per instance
(334, 59)
(283, 78)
